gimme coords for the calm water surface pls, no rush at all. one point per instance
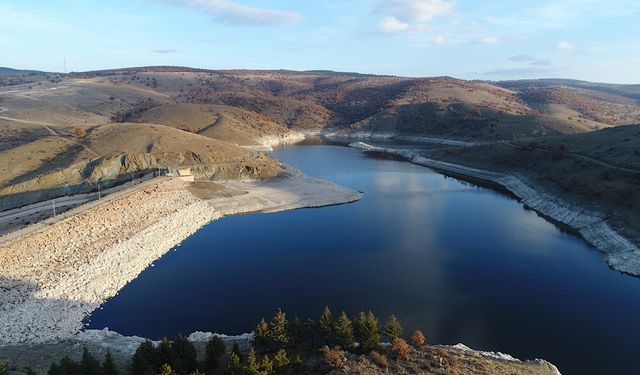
(462, 263)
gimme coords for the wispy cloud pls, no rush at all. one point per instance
(234, 13)
(522, 58)
(518, 72)
(440, 39)
(489, 40)
(565, 46)
(164, 51)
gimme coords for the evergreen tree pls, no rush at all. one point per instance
(69, 367)
(325, 325)
(184, 354)
(28, 371)
(236, 349)
(360, 327)
(54, 369)
(262, 335)
(251, 367)
(371, 340)
(165, 353)
(233, 365)
(393, 329)
(145, 359)
(344, 332)
(297, 362)
(266, 366)
(278, 329)
(4, 370)
(109, 366)
(296, 331)
(166, 369)
(216, 349)
(311, 328)
(89, 365)
(280, 360)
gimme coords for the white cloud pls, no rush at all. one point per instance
(164, 51)
(440, 39)
(234, 13)
(565, 46)
(416, 10)
(392, 25)
(489, 40)
(522, 58)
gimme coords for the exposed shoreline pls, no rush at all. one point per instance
(51, 280)
(621, 254)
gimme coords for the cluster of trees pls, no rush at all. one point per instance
(169, 357)
(88, 365)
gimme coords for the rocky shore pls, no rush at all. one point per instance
(53, 278)
(621, 254)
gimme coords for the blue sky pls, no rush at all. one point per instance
(583, 39)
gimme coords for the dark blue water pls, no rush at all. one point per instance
(462, 263)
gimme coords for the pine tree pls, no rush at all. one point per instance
(311, 328)
(233, 365)
(166, 369)
(325, 325)
(236, 349)
(216, 349)
(89, 365)
(109, 366)
(266, 366)
(296, 331)
(54, 369)
(360, 327)
(165, 352)
(371, 339)
(344, 332)
(68, 366)
(184, 354)
(145, 358)
(280, 360)
(262, 335)
(393, 329)
(251, 367)
(278, 329)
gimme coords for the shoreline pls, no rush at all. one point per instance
(54, 278)
(620, 253)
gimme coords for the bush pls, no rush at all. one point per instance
(379, 359)
(400, 348)
(417, 338)
(80, 132)
(335, 357)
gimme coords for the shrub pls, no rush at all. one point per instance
(334, 357)
(417, 338)
(216, 349)
(400, 348)
(80, 132)
(379, 359)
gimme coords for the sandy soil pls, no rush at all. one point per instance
(52, 279)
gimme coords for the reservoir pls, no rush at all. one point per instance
(462, 263)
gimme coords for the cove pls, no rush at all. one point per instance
(461, 262)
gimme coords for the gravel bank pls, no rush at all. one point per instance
(621, 254)
(52, 279)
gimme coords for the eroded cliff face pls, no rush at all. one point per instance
(84, 177)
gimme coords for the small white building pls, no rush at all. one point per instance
(185, 174)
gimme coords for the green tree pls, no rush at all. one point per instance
(296, 331)
(266, 366)
(216, 349)
(393, 329)
(145, 359)
(166, 369)
(54, 369)
(233, 365)
(281, 360)
(68, 366)
(325, 325)
(262, 335)
(4, 370)
(367, 330)
(89, 365)
(251, 367)
(184, 354)
(165, 353)
(109, 366)
(360, 327)
(236, 349)
(344, 332)
(311, 328)
(278, 329)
